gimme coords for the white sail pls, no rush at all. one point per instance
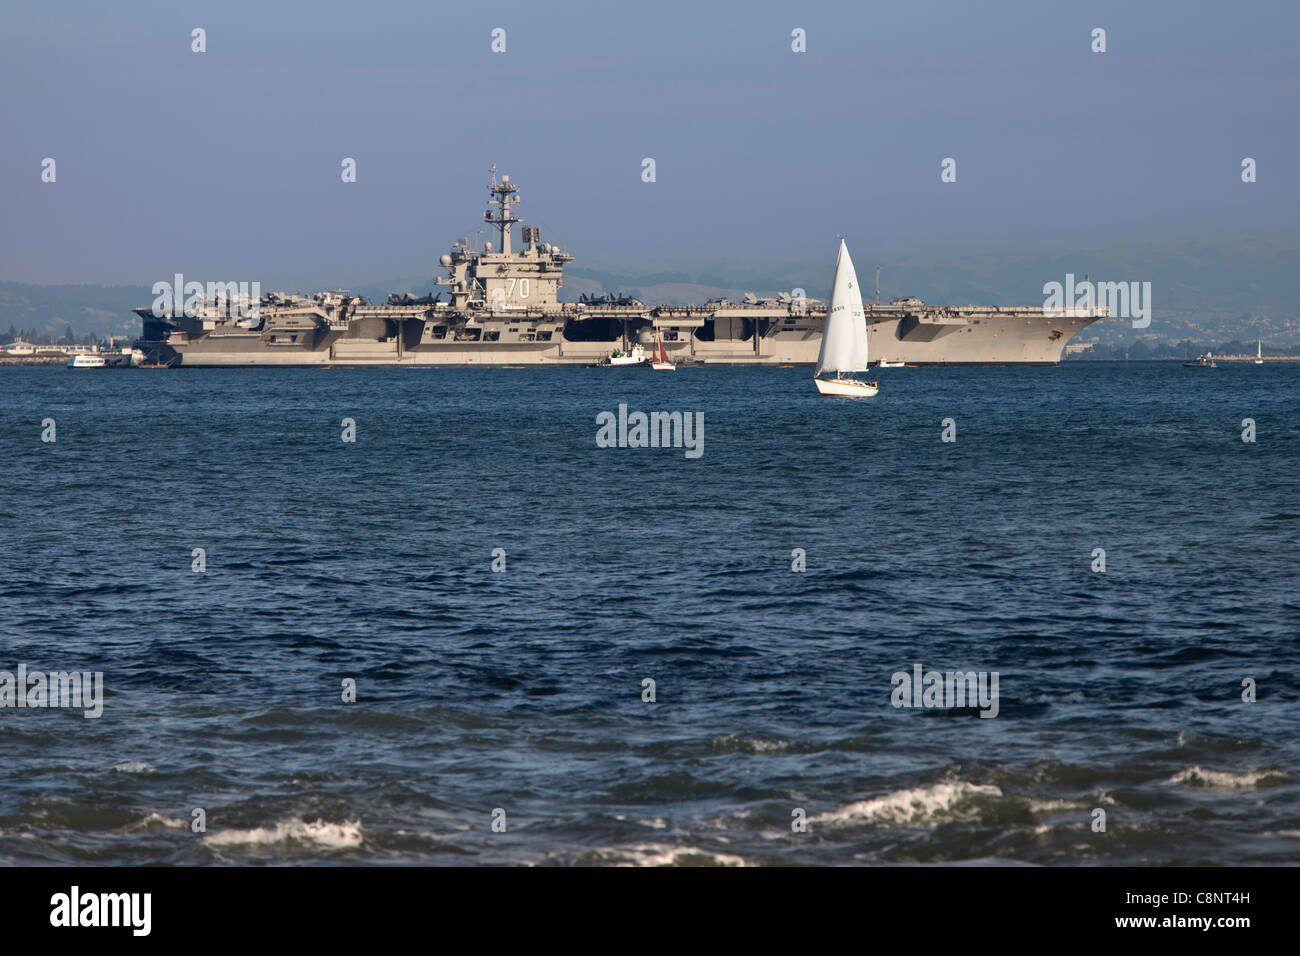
(844, 339)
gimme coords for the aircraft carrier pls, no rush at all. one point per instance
(502, 307)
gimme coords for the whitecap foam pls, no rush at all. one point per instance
(132, 766)
(330, 836)
(662, 854)
(753, 745)
(1221, 779)
(154, 820)
(1049, 806)
(921, 806)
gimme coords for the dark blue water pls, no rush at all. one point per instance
(522, 690)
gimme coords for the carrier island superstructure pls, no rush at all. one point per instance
(501, 307)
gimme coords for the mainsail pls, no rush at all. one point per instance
(844, 340)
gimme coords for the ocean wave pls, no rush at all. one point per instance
(748, 745)
(654, 823)
(133, 766)
(662, 854)
(155, 821)
(920, 806)
(1073, 697)
(1050, 806)
(1221, 779)
(331, 836)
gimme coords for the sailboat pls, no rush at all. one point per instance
(844, 339)
(1259, 352)
(660, 361)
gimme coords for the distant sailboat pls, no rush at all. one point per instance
(1259, 352)
(661, 362)
(844, 339)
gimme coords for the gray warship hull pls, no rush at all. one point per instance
(981, 336)
(503, 308)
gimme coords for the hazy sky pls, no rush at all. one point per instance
(225, 165)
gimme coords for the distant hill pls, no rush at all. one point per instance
(50, 310)
(1201, 291)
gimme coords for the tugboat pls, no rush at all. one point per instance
(633, 356)
(1205, 361)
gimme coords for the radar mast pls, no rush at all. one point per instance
(504, 197)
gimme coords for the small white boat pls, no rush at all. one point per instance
(883, 364)
(1259, 352)
(635, 356)
(87, 360)
(846, 387)
(661, 362)
(844, 338)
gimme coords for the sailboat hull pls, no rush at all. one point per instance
(846, 387)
